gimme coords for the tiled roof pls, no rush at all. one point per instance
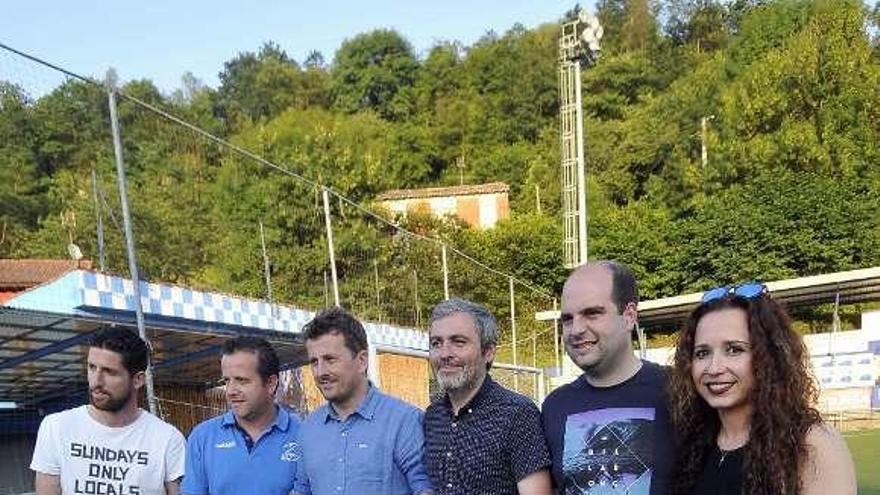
(28, 273)
(433, 192)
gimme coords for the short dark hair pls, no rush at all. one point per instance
(267, 359)
(624, 288)
(134, 351)
(338, 320)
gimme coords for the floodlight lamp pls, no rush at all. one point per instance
(587, 36)
(591, 22)
(584, 16)
(592, 32)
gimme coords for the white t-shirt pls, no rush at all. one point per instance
(91, 458)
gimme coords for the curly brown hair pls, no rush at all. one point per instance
(783, 400)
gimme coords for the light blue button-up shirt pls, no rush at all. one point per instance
(379, 449)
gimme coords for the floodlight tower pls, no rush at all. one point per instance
(578, 45)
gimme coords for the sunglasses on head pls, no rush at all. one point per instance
(750, 290)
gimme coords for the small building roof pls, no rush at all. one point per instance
(433, 192)
(27, 273)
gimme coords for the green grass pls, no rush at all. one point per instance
(865, 448)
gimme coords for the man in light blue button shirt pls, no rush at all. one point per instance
(361, 442)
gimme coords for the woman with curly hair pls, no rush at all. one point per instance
(742, 401)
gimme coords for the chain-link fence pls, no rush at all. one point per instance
(225, 214)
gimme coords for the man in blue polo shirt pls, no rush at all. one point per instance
(251, 448)
(362, 442)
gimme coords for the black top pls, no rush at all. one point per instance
(722, 473)
(493, 442)
(611, 440)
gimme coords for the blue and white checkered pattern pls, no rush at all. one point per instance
(108, 292)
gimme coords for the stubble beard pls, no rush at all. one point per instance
(463, 380)
(110, 404)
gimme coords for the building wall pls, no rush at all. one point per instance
(468, 209)
(858, 369)
(845, 399)
(871, 322)
(477, 210)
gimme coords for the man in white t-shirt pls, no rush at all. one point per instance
(110, 446)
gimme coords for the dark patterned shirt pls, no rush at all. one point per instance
(495, 441)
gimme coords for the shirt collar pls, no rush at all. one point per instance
(282, 419)
(366, 409)
(485, 390)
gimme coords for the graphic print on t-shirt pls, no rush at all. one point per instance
(110, 471)
(609, 452)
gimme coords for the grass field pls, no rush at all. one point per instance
(865, 448)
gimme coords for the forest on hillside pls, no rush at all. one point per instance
(789, 91)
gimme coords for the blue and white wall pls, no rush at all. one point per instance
(88, 293)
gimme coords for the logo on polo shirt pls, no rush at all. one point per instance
(290, 452)
(225, 445)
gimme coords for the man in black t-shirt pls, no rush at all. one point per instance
(608, 431)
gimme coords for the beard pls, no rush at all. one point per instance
(464, 379)
(108, 402)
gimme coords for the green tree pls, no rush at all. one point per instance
(261, 85)
(640, 26)
(512, 80)
(21, 183)
(617, 82)
(440, 77)
(612, 17)
(810, 105)
(781, 224)
(764, 27)
(640, 235)
(375, 71)
(700, 23)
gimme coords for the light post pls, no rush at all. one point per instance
(578, 44)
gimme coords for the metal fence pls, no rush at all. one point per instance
(150, 194)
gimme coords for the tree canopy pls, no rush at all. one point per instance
(789, 91)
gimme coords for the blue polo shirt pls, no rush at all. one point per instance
(220, 462)
(378, 449)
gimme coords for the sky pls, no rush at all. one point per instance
(161, 40)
